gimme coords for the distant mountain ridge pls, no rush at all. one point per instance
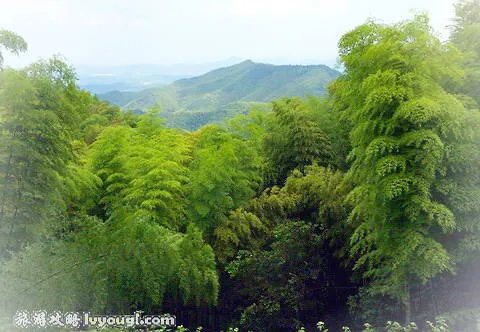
(105, 78)
(223, 88)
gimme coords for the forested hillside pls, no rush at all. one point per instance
(192, 102)
(357, 208)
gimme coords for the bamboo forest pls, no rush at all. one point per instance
(350, 208)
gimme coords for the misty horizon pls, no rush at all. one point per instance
(117, 33)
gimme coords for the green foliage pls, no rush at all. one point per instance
(336, 128)
(129, 176)
(460, 188)
(115, 267)
(225, 172)
(148, 263)
(402, 122)
(12, 43)
(37, 115)
(466, 35)
(295, 140)
(279, 276)
(353, 202)
(143, 170)
(144, 174)
(285, 273)
(251, 127)
(41, 144)
(194, 119)
(241, 229)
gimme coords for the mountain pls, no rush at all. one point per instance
(227, 91)
(101, 79)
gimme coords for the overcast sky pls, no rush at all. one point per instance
(116, 32)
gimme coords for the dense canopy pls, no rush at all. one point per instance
(359, 206)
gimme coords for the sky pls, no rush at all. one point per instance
(121, 32)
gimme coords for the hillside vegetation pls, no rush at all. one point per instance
(192, 102)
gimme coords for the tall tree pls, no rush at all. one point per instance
(44, 118)
(403, 119)
(36, 148)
